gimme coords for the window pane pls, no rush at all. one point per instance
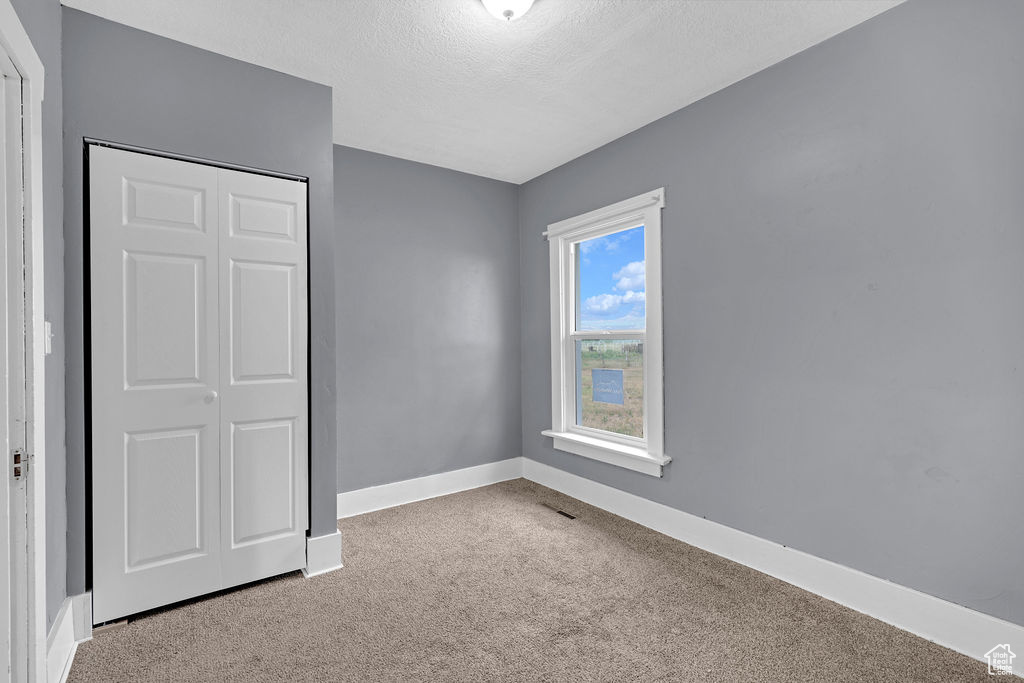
(611, 291)
(610, 385)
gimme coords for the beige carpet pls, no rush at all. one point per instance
(490, 585)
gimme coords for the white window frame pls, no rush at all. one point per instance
(646, 454)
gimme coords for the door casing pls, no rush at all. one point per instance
(30, 652)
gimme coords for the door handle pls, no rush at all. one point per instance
(210, 397)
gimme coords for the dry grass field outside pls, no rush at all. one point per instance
(625, 355)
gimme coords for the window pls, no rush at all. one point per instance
(606, 375)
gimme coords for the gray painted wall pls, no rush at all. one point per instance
(428, 319)
(41, 19)
(133, 87)
(844, 335)
(843, 259)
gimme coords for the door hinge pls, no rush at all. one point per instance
(20, 466)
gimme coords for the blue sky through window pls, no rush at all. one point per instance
(612, 282)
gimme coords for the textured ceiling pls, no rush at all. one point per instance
(444, 82)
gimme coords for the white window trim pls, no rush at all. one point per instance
(642, 455)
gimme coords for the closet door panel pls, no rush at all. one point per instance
(153, 243)
(264, 402)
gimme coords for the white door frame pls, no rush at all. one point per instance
(16, 43)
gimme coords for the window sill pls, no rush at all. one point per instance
(630, 457)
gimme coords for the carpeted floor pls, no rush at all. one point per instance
(491, 585)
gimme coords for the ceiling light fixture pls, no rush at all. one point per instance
(508, 9)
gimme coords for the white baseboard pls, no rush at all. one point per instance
(72, 626)
(411, 490)
(954, 626)
(323, 554)
(82, 616)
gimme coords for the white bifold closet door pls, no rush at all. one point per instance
(199, 378)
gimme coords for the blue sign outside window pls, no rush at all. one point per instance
(607, 386)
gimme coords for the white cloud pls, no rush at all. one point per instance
(608, 242)
(609, 303)
(632, 276)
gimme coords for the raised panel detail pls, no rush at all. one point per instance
(262, 481)
(257, 217)
(262, 321)
(164, 319)
(162, 496)
(161, 205)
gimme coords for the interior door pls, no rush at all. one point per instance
(155, 414)
(5, 546)
(263, 375)
(199, 378)
(14, 587)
